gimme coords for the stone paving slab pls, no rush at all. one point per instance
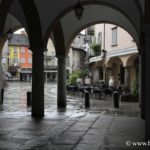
(101, 127)
(7, 145)
(100, 131)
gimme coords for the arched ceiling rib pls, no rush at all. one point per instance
(50, 10)
(15, 18)
(16, 10)
(11, 23)
(142, 3)
(126, 13)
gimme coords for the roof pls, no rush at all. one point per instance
(19, 40)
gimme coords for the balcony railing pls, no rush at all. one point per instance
(48, 67)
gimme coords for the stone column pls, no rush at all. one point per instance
(146, 78)
(109, 72)
(111, 81)
(3, 39)
(46, 77)
(61, 82)
(1, 82)
(38, 83)
(141, 85)
(127, 76)
(104, 73)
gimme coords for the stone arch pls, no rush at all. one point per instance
(96, 2)
(131, 59)
(59, 40)
(110, 61)
(4, 8)
(115, 70)
(35, 34)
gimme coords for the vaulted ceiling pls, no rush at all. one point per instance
(41, 17)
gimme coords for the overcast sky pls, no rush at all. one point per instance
(19, 31)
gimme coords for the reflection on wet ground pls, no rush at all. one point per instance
(15, 97)
(101, 127)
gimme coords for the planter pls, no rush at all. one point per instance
(87, 80)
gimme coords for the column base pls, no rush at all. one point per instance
(37, 115)
(61, 106)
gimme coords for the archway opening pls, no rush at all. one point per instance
(113, 64)
(17, 71)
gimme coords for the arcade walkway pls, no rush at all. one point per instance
(100, 128)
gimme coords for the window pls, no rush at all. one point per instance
(114, 36)
(22, 60)
(22, 50)
(68, 61)
(4, 61)
(15, 60)
(30, 60)
(99, 38)
(15, 50)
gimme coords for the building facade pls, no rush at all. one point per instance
(25, 64)
(117, 65)
(19, 57)
(77, 54)
(50, 63)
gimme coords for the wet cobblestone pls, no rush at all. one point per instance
(100, 128)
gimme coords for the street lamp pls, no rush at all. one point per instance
(104, 53)
(78, 10)
(10, 34)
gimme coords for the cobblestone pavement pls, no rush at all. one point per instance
(101, 127)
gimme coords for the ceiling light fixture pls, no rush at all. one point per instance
(78, 10)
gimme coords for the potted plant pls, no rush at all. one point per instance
(96, 48)
(135, 91)
(131, 96)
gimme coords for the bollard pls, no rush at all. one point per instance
(29, 98)
(100, 94)
(116, 99)
(2, 95)
(87, 99)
